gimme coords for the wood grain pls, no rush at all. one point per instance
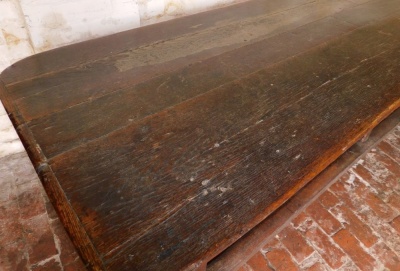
(243, 249)
(136, 102)
(131, 67)
(232, 143)
(73, 55)
(164, 172)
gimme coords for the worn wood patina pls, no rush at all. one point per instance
(160, 149)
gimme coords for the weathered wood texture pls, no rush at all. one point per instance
(159, 156)
(243, 249)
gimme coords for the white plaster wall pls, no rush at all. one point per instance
(152, 11)
(33, 26)
(14, 39)
(52, 23)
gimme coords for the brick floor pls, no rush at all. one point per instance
(31, 236)
(353, 225)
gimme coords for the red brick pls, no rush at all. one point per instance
(40, 239)
(327, 222)
(393, 140)
(341, 190)
(75, 266)
(258, 263)
(68, 253)
(367, 176)
(301, 219)
(295, 244)
(355, 225)
(396, 224)
(280, 260)
(316, 267)
(376, 164)
(7, 192)
(385, 161)
(345, 176)
(244, 267)
(271, 244)
(332, 255)
(52, 265)
(384, 230)
(11, 231)
(14, 257)
(389, 150)
(349, 266)
(352, 247)
(386, 256)
(376, 204)
(328, 200)
(362, 195)
(31, 203)
(9, 210)
(394, 201)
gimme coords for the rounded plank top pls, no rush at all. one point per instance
(162, 166)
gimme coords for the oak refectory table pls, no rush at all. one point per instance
(161, 146)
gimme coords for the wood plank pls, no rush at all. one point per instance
(371, 11)
(237, 150)
(132, 66)
(132, 104)
(78, 54)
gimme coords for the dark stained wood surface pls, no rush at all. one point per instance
(243, 249)
(160, 151)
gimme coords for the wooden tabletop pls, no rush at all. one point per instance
(161, 146)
